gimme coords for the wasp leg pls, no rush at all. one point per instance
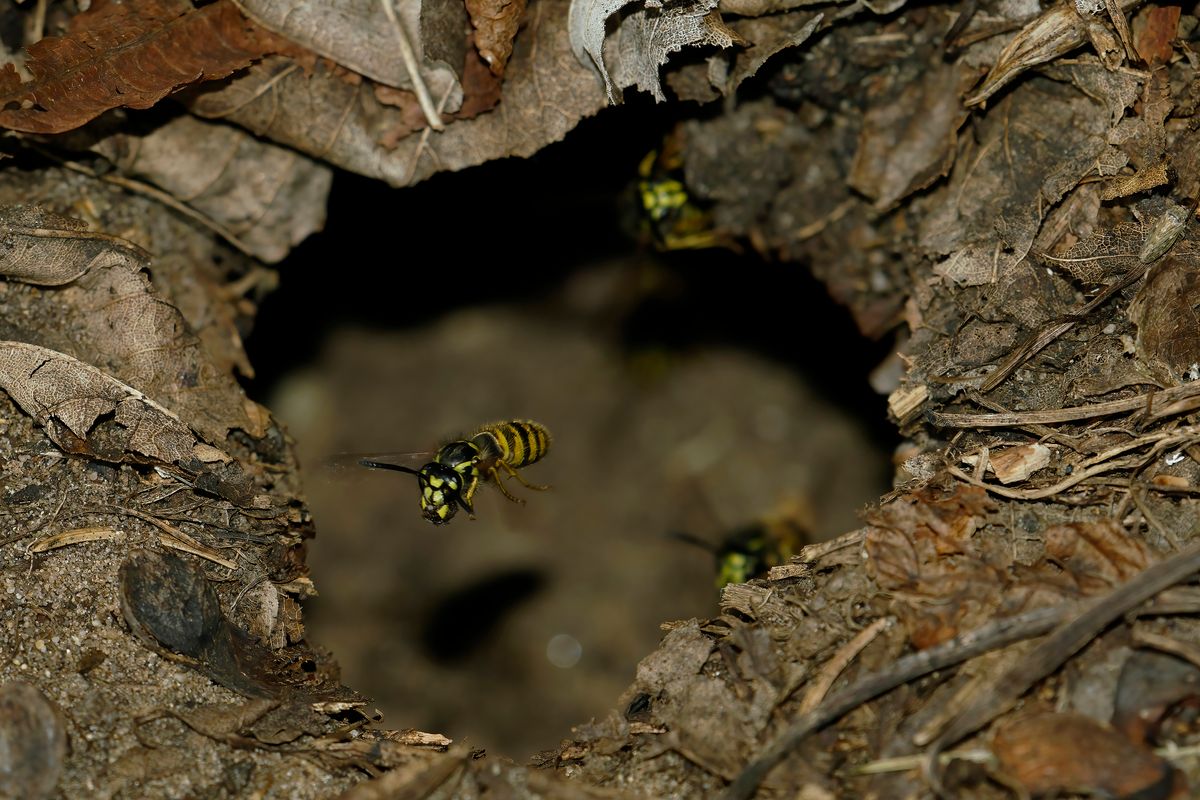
(513, 473)
(494, 477)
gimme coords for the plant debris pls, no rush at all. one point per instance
(130, 54)
(33, 742)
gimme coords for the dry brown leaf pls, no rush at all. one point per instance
(48, 249)
(1098, 554)
(68, 398)
(986, 217)
(762, 8)
(481, 93)
(1141, 181)
(766, 37)
(495, 23)
(269, 197)
(129, 54)
(1155, 29)
(910, 141)
(1069, 753)
(109, 315)
(1152, 683)
(545, 94)
(647, 37)
(1053, 34)
(358, 35)
(1168, 337)
(1018, 463)
(920, 548)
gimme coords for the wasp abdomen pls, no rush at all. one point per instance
(520, 442)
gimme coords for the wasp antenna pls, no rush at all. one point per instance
(366, 462)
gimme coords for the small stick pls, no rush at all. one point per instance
(409, 57)
(1068, 639)
(100, 533)
(841, 659)
(1055, 328)
(991, 636)
(1171, 401)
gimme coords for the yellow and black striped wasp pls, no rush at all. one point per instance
(448, 481)
(674, 219)
(750, 550)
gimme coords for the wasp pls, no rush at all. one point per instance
(752, 549)
(449, 481)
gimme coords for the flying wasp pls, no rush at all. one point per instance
(449, 481)
(752, 549)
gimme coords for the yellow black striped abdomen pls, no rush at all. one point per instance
(521, 442)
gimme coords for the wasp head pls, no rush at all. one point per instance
(441, 492)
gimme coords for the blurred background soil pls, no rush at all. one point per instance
(674, 387)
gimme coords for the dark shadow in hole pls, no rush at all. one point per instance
(464, 620)
(516, 230)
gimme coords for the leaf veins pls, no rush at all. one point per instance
(127, 54)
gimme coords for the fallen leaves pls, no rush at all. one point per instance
(1049, 754)
(68, 398)
(1055, 33)
(645, 37)
(1168, 328)
(129, 54)
(910, 142)
(545, 93)
(110, 316)
(920, 547)
(357, 35)
(266, 198)
(495, 23)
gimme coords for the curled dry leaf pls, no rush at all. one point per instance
(1168, 335)
(269, 197)
(48, 249)
(129, 54)
(988, 214)
(68, 398)
(1155, 30)
(358, 35)
(921, 547)
(1099, 554)
(1149, 686)
(109, 315)
(545, 94)
(33, 743)
(495, 23)
(767, 37)
(1052, 35)
(1060, 753)
(172, 607)
(645, 38)
(908, 143)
